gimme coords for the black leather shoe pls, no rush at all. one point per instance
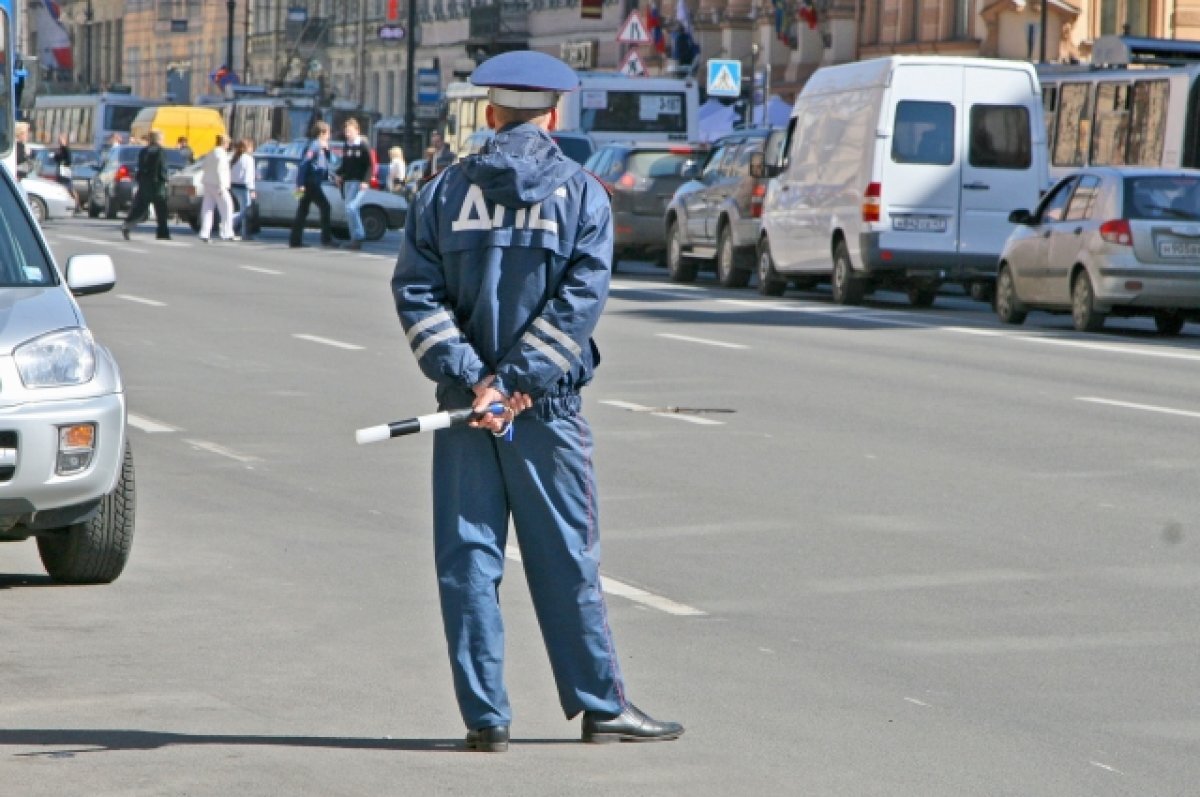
(489, 740)
(631, 725)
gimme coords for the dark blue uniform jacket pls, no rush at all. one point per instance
(504, 270)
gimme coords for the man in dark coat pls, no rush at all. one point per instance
(151, 188)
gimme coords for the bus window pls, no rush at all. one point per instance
(1073, 125)
(1050, 110)
(635, 112)
(119, 118)
(1110, 130)
(1148, 122)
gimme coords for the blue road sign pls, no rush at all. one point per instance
(724, 78)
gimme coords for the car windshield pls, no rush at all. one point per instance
(23, 262)
(1162, 197)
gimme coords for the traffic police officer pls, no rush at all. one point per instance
(502, 275)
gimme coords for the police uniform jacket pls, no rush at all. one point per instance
(504, 270)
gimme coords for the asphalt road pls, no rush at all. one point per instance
(921, 555)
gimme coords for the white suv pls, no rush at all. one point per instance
(66, 471)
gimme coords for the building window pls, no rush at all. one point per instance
(915, 28)
(960, 24)
(1116, 14)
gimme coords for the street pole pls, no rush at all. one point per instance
(362, 55)
(1044, 22)
(88, 16)
(410, 149)
(230, 5)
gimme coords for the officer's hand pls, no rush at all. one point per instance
(518, 403)
(486, 395)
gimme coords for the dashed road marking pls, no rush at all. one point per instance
(220, 451)
(337, 344)
(1129, 405)
(149, 425)
(678, 416)
(704, 341)
(141, 300)
(635, 594)
(261, 270)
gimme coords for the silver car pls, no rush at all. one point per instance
(1120, 241)
(48, 200)
(66, 471)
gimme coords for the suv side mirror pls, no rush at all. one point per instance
(1021, 216)
(690, 170)
(759, 168)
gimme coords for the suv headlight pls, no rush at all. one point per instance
(66, 357)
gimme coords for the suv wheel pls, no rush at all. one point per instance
(769, 281)
(95, 552)
(680, 268)
(93, 209)
(1168, 322)
(846, 289)
(110, 207)
(730, 272)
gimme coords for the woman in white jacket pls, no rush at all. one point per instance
(214, 178)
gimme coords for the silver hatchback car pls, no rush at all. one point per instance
(1120, 241)
(66, 471)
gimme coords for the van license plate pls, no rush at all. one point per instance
(919, 223)
(1187, 249)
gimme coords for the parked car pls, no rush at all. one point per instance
(642, 178)
(47, 199)
(112, 185)
(84, 163)
(66, 469)
(900, 172)
(1121, 241)
(275, 186)
(716, 215)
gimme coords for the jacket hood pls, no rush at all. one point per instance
(519, 167)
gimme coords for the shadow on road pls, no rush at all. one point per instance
(14, 580)
(101, 740)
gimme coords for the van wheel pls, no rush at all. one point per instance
(846, 288)
(769, 281)
(921, 297)
(680, 268)
(730, 272)
(1168, 322)
(1008, 307)
(95, 551)
(1083, 305)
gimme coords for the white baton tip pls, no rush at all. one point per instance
(373, 434)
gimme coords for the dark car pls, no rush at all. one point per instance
(715, 217)
(83, 168)
(575, 145)
(112, 185)
(642, 178)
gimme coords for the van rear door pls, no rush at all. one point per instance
(1000, 170)
(920, 186)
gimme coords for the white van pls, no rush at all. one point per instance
(900, 172)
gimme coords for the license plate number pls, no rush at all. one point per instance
(1190, 249)
(919, 223)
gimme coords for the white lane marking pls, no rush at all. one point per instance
(916, 702)
(704, 341)
(1109, 347)
(134, 249)
(140, 300)
(83, 240)
(149, 425)
(261, 270)
(221, 451)
(678, 416)
(337, 344)
(1129, 405)
(1106, 766)
(635, 594)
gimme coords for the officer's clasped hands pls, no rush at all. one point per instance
(486, 395)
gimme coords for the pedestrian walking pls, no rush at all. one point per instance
(396, 170)
(310, 185)
(185, 150)
(151, 188)
(62, 167)
(503, 271)
(215, 180)
(25, 162)
(242, 186)
(354, 173)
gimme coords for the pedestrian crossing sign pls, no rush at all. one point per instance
(724, 78)
(633, 66)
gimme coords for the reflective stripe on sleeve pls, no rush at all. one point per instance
(559, 337)
(428, 322)
(548, 350)
(433, 340)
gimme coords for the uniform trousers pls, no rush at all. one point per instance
(544, 480)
